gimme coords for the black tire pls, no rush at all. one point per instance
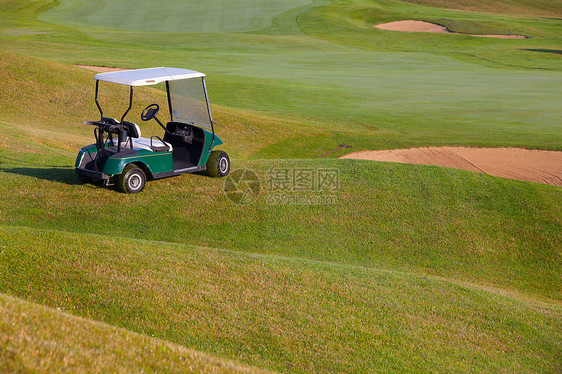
(218, 164)
(131, 180)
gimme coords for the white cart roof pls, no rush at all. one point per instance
(145, 77)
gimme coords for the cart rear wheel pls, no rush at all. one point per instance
(218, 164)
(131, 180)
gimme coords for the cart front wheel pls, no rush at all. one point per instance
(218, 164)
(131, 180)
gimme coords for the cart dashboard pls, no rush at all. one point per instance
(181, 130)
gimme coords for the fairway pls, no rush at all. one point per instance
(385, 267)
(172, 16)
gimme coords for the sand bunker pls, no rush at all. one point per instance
(412, 26)
(100, 69)
(514, 163)
(421, 26)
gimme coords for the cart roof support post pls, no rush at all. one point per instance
(209, 110)
(130, 104)
(97, 103)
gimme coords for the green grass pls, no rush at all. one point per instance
(172, 16)
(40, 339)
(284, 313)
(328, 64)
(407, 268)
(545, 8)
(449, 223)
(414, 218)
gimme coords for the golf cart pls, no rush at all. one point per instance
(122, 157)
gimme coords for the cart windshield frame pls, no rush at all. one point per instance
(188, 100)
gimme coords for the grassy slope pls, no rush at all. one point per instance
(287, 314)
(545, 8)
(502, 235)
(466, 227)
(412, 217)
(39, 339)
(428, 220)
(61, 107)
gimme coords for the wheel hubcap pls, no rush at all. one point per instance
(134, 182)
(223, 165)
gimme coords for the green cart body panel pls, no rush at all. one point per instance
(155, 162)
(207, 149)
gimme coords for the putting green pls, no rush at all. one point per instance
(172, 16)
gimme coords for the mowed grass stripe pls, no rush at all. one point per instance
(34, 337)
(173, 15)
(278, 313)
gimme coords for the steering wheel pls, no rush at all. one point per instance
(150, 112)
